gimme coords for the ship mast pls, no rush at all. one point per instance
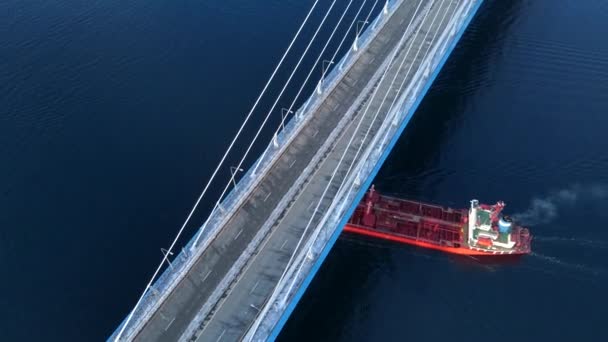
(472, 219)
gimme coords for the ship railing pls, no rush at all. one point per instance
(420, 215)
(415, 202)
(338, 211)
(225, 208)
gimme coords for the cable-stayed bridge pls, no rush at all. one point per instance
(241, 275)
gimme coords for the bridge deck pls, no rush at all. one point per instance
(276, 212)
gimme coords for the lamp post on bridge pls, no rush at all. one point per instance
(154, 290)
(233, 171)
(356, 43)
(284, 113)
(166, 254)
(326, 64)
(384, 12)
(302, 110)
(275, 140)
(358, 178)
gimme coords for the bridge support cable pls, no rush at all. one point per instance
(319, 90)
(425, 65)
(360, 29)
(292, 257)
(315, 234)
(405, 77)
(254, 170)
(392, 104)
(390, 118)
(201, 230)
(312, 69)
(403, 60)
(279, 64)
(289, 110)
(365, 22)
(333, 57)
(285, 112)
(369, 14)
(375, 92)
(384, 12)
(357, 32)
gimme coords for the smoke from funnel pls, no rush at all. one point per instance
(545, 210)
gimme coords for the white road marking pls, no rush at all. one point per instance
(221, 335)
(254, 287)
(283, 245)
(297, 197)
(206, 275)
(168, 325)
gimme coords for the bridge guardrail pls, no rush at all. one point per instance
(371, 157)
(171, 276)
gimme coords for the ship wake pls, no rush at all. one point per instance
(573, 241)
(572, 266)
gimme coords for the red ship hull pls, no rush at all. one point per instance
(402, 239)
(428, 226)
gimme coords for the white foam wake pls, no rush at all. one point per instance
(573, 241)
(572, 266)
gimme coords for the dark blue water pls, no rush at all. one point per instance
(113, 115)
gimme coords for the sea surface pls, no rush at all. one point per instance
(113, 115)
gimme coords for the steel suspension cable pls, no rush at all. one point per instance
(303, 108)
(130, 316)
(402, 82)
(400, 87)
(291, 259)
(270, 111)
(312, 69)
(346, 150)
(351, 26)
(395, 78)
(424, 58)
(332, 59)
(369, 14)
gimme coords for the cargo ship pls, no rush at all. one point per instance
(478, 231)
